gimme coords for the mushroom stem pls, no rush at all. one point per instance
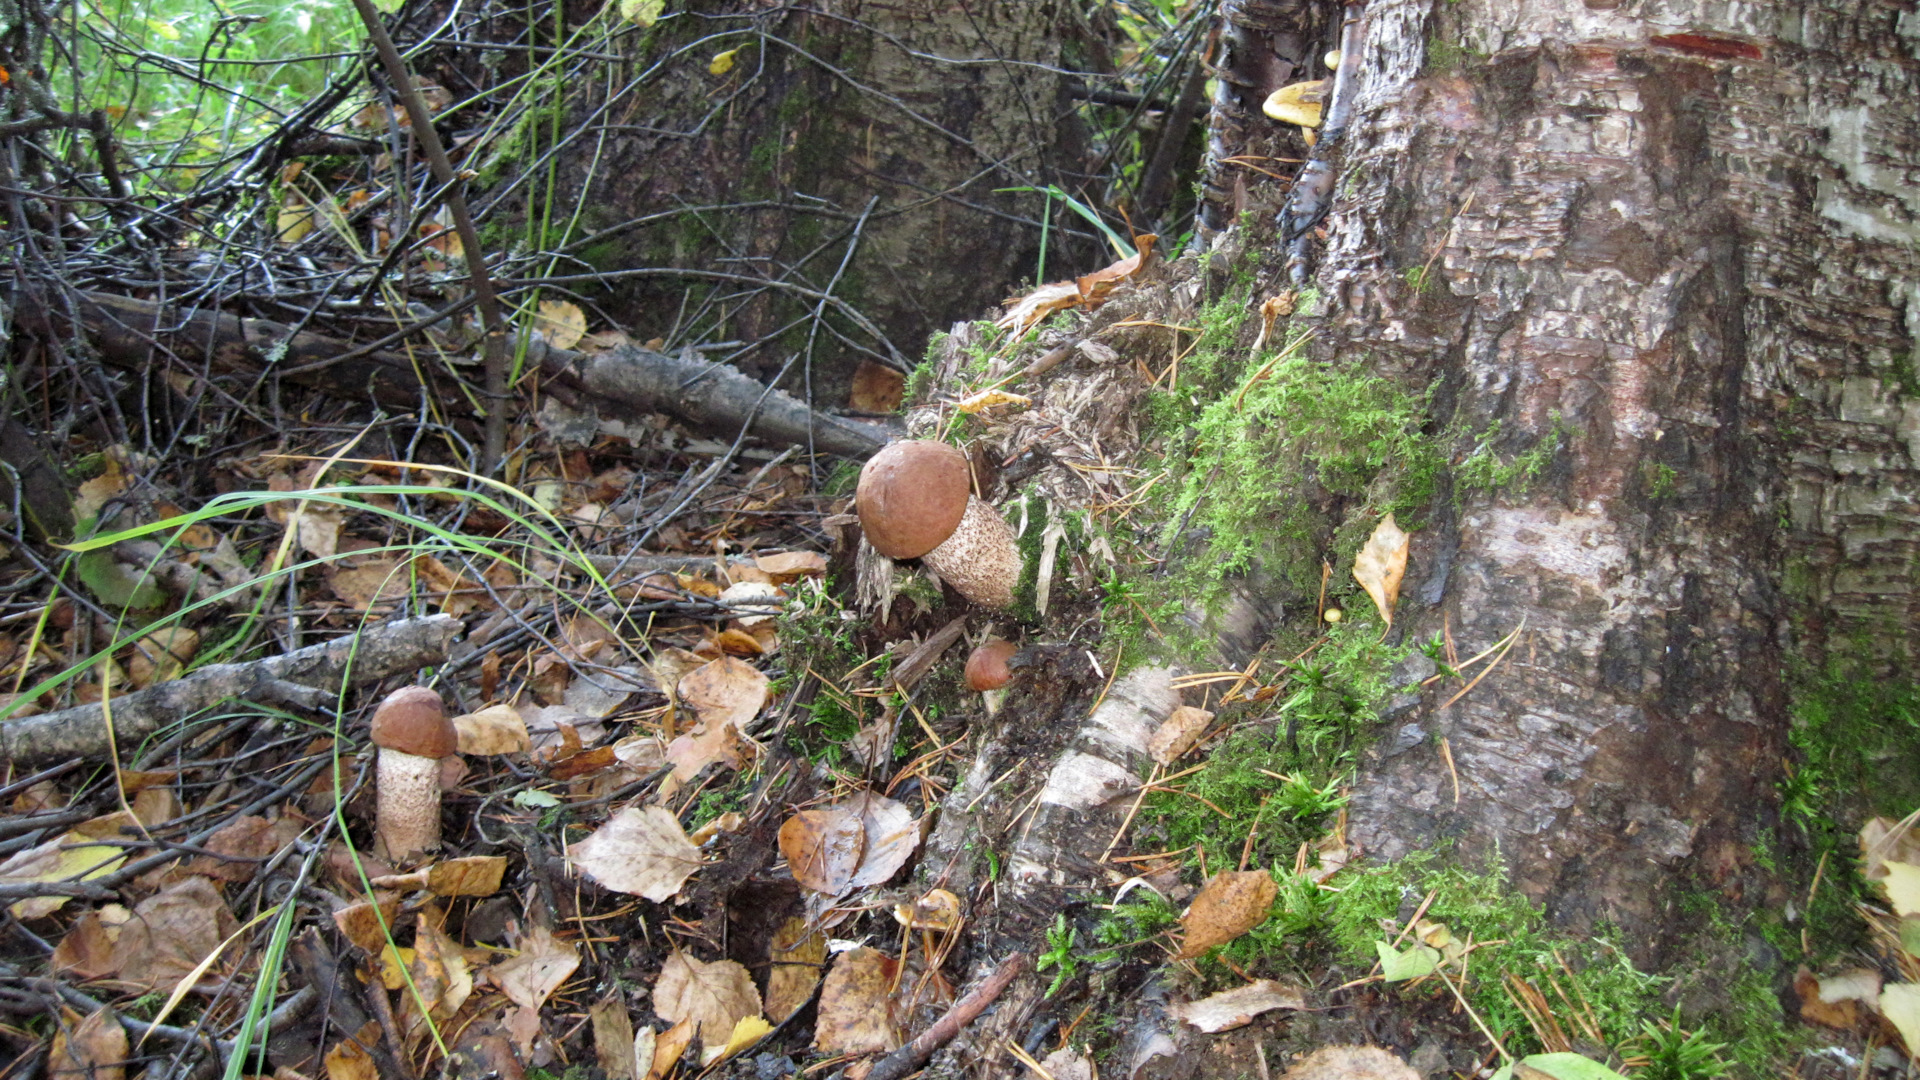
(408, 818)
(980, 560)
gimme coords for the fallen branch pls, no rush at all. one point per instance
(721, 397)
(379, 651)
(898, 1064)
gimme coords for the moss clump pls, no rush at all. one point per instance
(1487, 468)
(1273, 461)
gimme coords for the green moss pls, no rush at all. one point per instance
(1659, 478)
(1445, 56)
(1275, 462)
(1486, 468)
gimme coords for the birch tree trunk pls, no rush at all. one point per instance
(1683, 239)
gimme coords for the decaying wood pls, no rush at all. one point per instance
(379, 651)
(623, 381)
(718, 396)
(911, 1056)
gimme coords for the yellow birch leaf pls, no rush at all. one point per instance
(722, 63)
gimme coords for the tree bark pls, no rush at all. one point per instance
(864, 144)
(1678, 243)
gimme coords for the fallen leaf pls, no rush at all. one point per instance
(642, 851)
(642, 13)
(374, 582)
(1230, 1009)
(789, 566)
(724, 691)
(1380, 565)
(161, 655)
(1418, 960)
(1177, 734)
(987, 399)
(349, 1058)
(441, 976)
(561, 322)
(855, 1015)
(754, 602)
(68, 855)
(722, 62)
(541, 965)
(1350, 1063)
(1900, 1004)
(823, 849)
(362, 923)
(714, 996)
(1882, 840)
(473, 875)
(1026, 310)
(170, 933)
(91, 1049)
(644, 1042)
(799, 954)
(1902, 886)
(613, 1038)
(876, 388)
(1836, 1001)
(493, 731)
(1234, 902)
(669, 1047)
(892, 835)
(242, 845)
(746, 1032)
(87, 950)
(1068, 1063)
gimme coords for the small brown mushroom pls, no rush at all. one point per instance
(413, 733)
(987, 665)
(915, 502)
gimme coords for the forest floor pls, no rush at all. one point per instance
(724, 804)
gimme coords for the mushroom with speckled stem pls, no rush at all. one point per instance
(915, 500)
(413, 733)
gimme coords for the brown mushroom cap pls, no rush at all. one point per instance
(987, 666)
(413, 720)
(912, 495)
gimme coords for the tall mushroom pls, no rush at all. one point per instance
(413, 733)
(916, 502)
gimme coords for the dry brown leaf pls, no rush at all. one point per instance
(1350, 1063)
(561, 322)
(94, 1048)
(669, 1047)
(542, 964)
(856, 1005)
(349, 1058)
(987, 399)
(1182, 728)
(714, 996)
(1844, 1004)
(738, 643)
(87, 950)
(788, 566)
(1380, 565)
(708, 744)
(170, 933)
(724, 691)
(494, 730)
(362, 925)
(1024, 311)
(1068, 1063)
(1230, 1009)
(613, 1038)
(1880, 843)
(161, 655)
(440, 972)
(799, 954)
(642, 851)
(892, 835)
(823, 848)
(474, 875)
(1234, 902)
(876, 389)
(372, 583)
(246, 843)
